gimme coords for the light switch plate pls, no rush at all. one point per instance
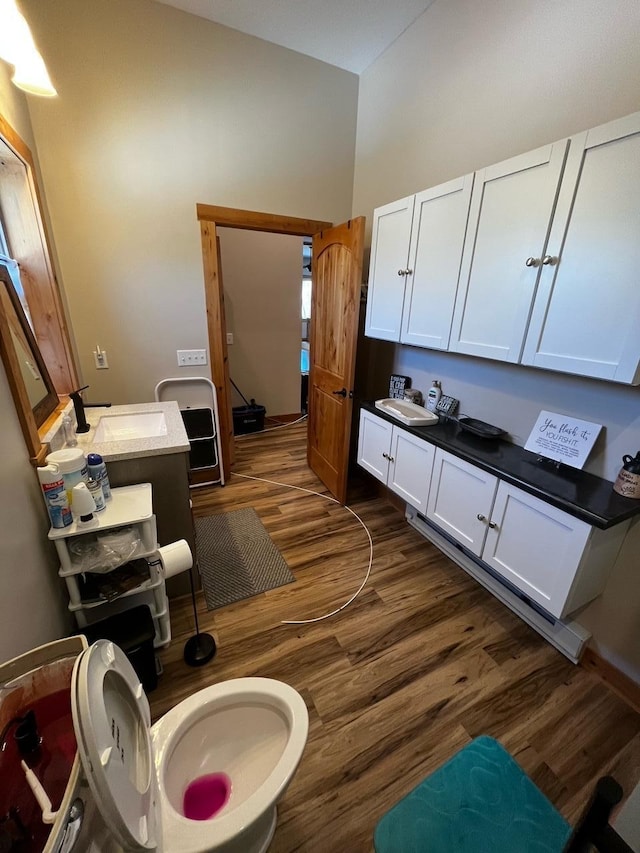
(189, 357)
(100, 359)
(229, 337)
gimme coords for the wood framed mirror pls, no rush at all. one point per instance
(27, 374)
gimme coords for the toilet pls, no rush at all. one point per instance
(206, 777)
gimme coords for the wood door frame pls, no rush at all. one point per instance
(210, 218)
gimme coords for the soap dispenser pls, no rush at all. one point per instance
(433, 396)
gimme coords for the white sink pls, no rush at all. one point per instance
(125, 427)
(407, 413)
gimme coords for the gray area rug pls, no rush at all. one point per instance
(237, 558)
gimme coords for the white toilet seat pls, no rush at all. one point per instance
(128, 766)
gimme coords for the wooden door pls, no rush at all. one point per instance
(388, 274)
(512, 206)
(337, 278)
(587, 311)
(437, 237)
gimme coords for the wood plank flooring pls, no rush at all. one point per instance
(424, 660)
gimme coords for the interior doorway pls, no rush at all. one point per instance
(337, 276)
(267, 322)
(212, 217)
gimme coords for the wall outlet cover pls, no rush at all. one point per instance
(191, 357)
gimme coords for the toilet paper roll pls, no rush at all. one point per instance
(175, 558)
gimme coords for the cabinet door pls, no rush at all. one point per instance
(586, 315)
(388, 273)
(374, 445)
(511, 210)
(437, 237)
(461, 499)
(535, 546)
(410, 468)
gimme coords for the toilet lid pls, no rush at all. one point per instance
(111, 719)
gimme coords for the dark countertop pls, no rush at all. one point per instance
(579, 493)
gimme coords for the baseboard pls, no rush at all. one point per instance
(620, 683)
(283, 419)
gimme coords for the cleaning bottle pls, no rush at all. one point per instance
(433, 396)
(55, 496)
(98, 471)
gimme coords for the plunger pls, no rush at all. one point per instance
(200, 648)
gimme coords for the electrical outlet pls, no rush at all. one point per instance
(229, 337)
(190, 357)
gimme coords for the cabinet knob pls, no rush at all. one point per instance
(481, 517)
(402, 272)
(492, 525)
(386, 456)
(408, 272)
(549, 260)
(532, 262)
(391, 459)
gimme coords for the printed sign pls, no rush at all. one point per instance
(563, 438)
(398, 384)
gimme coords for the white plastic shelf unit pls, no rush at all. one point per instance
(130, 507)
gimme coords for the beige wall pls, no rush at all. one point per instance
(32, 605)
(469, 84)
(159, 110)
(262, 275)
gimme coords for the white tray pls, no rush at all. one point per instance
(406, 412)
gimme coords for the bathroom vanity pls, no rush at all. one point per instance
(542, 539)
(145, 443)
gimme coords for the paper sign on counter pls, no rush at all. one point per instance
(563, 438)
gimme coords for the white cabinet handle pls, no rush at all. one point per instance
(532, 262)
(549, 260)
(481, 517)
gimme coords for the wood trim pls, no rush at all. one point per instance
(17, 388)
(210, 216)
(33, 253)
(14, 141)
(216, 325)
(620, 683)
(252, 220)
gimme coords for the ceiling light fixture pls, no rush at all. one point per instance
(18, 49)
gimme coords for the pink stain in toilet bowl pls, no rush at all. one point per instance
(206, 796)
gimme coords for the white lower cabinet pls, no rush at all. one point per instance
(556, 560)
(461, 500)
(397, 458)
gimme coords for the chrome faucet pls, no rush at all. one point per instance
(78, 405)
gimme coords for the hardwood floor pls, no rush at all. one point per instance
(423, 661)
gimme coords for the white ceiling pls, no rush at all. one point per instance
(348, 33)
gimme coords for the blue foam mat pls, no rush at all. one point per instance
(480, 801)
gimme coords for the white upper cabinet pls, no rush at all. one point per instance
(586, 316)
(389, 268)
(511, 211)
(439, 224)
